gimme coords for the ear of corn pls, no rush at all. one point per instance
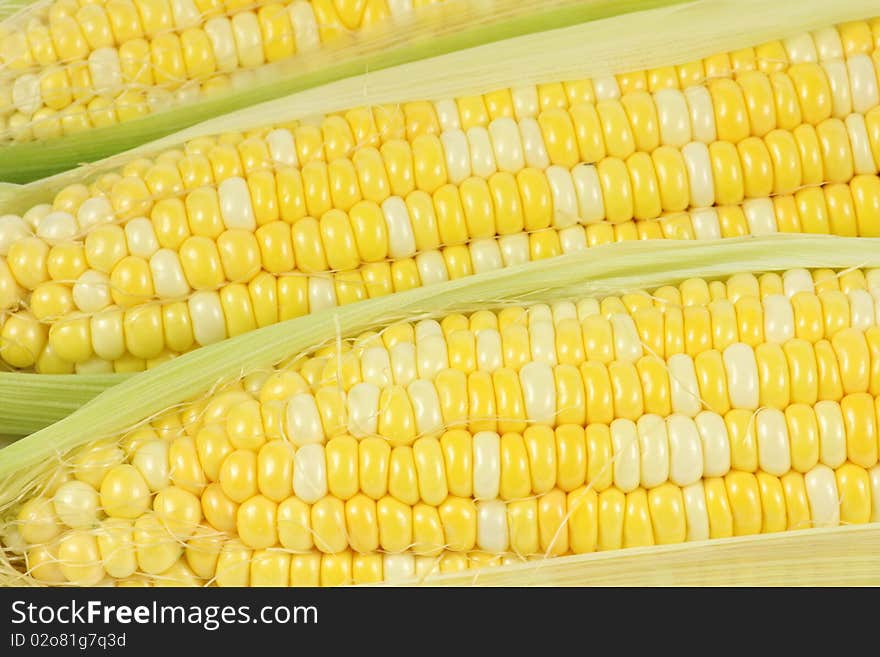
(732, 404)
(139, 76)
(610, 46)
(234, 232)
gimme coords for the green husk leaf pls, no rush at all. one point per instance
(848, 555)
(610, 269)
(33, 401)
(500, 43)
(9, 8)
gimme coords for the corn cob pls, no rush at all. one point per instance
(450, 30)
(239, 231)
(122, 69)
(704, 410)
(71, 66)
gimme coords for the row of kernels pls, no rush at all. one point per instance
(585, 520)
(739, 376)
(246, 39)
(642, 188)
(528, 102)
(555, 522)
(314, 22)
(733, 374)
(102, 111)
(551, 524)
(486, 348)
(692, 292)
(469, 112)
(146, 331)
(669, 180)
(583, 134)
(208, 316)
(830, 445)
(706, 323)
(756, 96)
(112, 86)
(680, 447)
(786, 161)
(171, 54)
(561, 138)
(278, 568)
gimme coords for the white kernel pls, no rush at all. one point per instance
(684, 391)
(458, 156)
(591, 204)
(673, 117)
(685, 450)
(492, 534)
(91, 292)
(863, 83)
(363, 410)
(565, 204)
(303, 420)
(533, 144)
(483, 162)
(742, 375)
(699, 168)
(539, 392)
(801, 49)
(695, 512)
(12, 229)
(282, 148)
(105, 70)
(322, 293)
(169, 280)
(760, 216)
(310, 473)
(426, 407)
(702, 113)
(485, 255)
(778, 318)
(206, 313)
(507, 144)
(487, 465)
(95, 211)
(627, 460)
(824, 499)
(219, 31)
(653, 449)
(401, 239)
(57, 226)
(235, 204)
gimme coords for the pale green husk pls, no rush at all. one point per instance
(33, 401)
(499, 43)
(9, 8)
(842, 556)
